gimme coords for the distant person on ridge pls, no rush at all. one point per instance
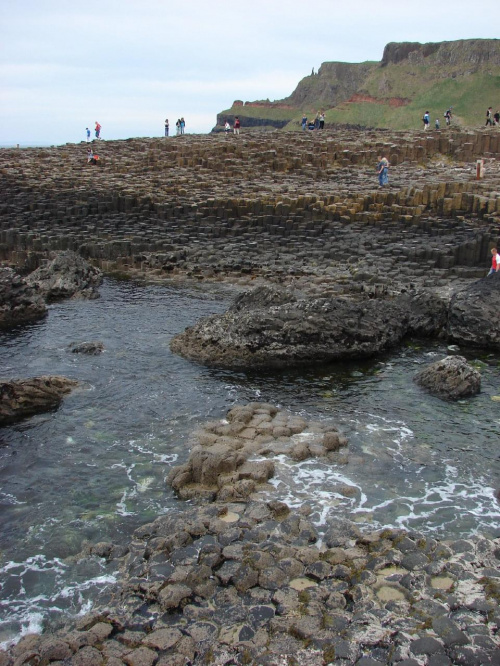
(304, 121)
(227, 127)
(426, 120)
(383, 171)
(447, 115)
(178, 127)
(496, 118)
(166, 127)
(183, 125)
(236, 127)
(88, 134)
(489, 116)
(436, 123)
(97, 130)
(322, 120)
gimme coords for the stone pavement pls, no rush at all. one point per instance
(265, 205)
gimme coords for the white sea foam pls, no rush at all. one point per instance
(39, 588)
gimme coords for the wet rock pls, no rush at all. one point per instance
(87, 656)
(90, 348)
(451, 378)
(300, 331)
(67, 275)
(220, 465)
(20, 303)
(24, 397)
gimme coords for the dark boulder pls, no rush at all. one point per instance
(474, 314)
(20, 398)
(89, 348)
(67, 275)
(451, 378)
(427, 313)
(20, 303)
(275, 329)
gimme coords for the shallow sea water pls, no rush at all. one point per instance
(95, 469)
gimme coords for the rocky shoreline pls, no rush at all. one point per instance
(245, 580)
(342, 271)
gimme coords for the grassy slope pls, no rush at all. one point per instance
(469, 95)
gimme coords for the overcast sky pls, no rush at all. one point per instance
(131, 63)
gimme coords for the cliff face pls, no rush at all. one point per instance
(463, 74)
(484, 53)
(334, 83)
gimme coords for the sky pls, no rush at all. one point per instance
(132, 63)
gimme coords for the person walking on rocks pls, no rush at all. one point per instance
(495, 261)
(97, 130)
(322, 120)
(496, 118)
(489, 116)
(304, 121)
(178, 126)
(227, 127)
(166, 126)
(426, 119)
(88, 134)
(436, 123)
(447, 115)
(236, 127)
(383, 171)
(183, 125)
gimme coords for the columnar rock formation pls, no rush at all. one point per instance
(268, 205)
(224, 463)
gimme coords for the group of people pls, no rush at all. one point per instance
(180, 126)
(97, 131)
(317, 123)
(236, 126)
(492, 118)
(426, 119)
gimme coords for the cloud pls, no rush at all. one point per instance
(129, 62)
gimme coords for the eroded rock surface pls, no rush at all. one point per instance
(252, 583)
(301, 330)
(451, 378)
(225, 462)
(67, 275)
(474, 313)
(20, 303)
(20, 398)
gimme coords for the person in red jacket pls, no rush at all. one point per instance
(236, 127)
(495, 261)
(97, 130)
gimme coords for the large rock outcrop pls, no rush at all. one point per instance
(222, 464)
(20, 398)
(20, 303)
(474, 314)
(297, 330)
(67, 275)
(451, 378)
